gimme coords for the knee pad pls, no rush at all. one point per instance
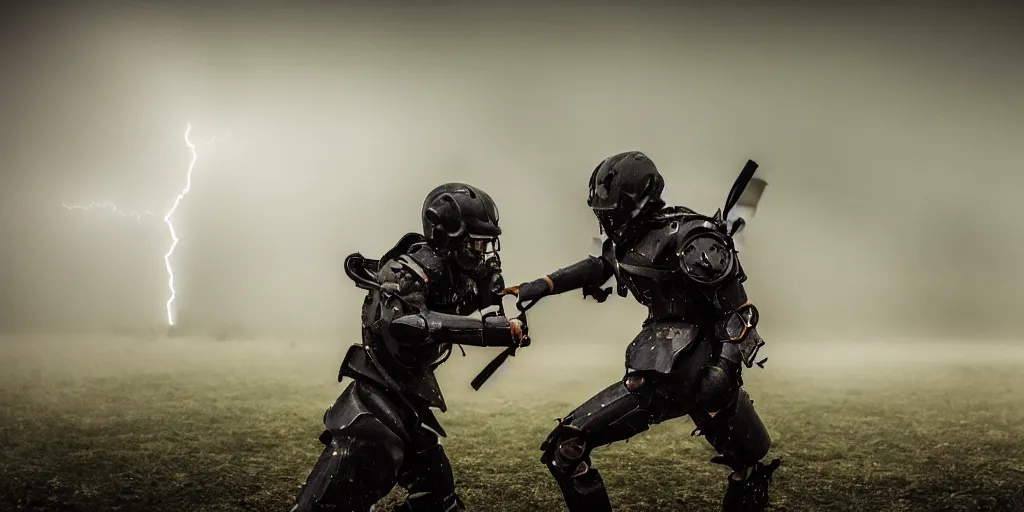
(718, 387)
(566, 451)
(427, 474)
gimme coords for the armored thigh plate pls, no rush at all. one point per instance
(658, 346)
(363, 400)
(614, 414)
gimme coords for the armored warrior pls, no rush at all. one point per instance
(381, 431)
(688, 356)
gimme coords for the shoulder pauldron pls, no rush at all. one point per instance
(428, 261)
(706, 255)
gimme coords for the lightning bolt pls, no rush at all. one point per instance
(170, 226)
(135, 214)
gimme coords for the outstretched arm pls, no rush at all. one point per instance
(589, 273)
(408, 320)
(592, 271)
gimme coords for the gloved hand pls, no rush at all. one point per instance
(533, 291)
(520, 333)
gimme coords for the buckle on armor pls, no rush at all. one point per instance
(737, 324)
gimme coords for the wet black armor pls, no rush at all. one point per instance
(381, 431)
(687, 358)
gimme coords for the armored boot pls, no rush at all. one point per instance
(584, 492)
(748, 490)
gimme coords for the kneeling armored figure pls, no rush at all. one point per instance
(689, 354)
(381, 431)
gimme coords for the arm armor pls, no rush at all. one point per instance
(591, 272)
(708, 258)
(408, 320)
(431, 327)
(737, 324)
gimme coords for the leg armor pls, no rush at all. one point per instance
(718, 386)
(365, 441)
(741, 439)
(427, 475)
(748, 491)
(619, 412)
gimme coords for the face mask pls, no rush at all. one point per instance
(477, 254)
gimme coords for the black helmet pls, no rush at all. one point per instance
(462, 220)
(622, 188)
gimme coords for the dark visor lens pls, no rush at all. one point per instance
(483, 245)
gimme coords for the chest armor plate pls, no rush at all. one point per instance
(456, 295)
(650, 268)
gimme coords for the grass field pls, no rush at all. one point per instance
(189, 424)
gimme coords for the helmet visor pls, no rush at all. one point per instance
(482, 245)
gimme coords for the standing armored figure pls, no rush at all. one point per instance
(688, 356)
(381, 431)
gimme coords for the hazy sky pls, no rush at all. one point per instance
(890, 139)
